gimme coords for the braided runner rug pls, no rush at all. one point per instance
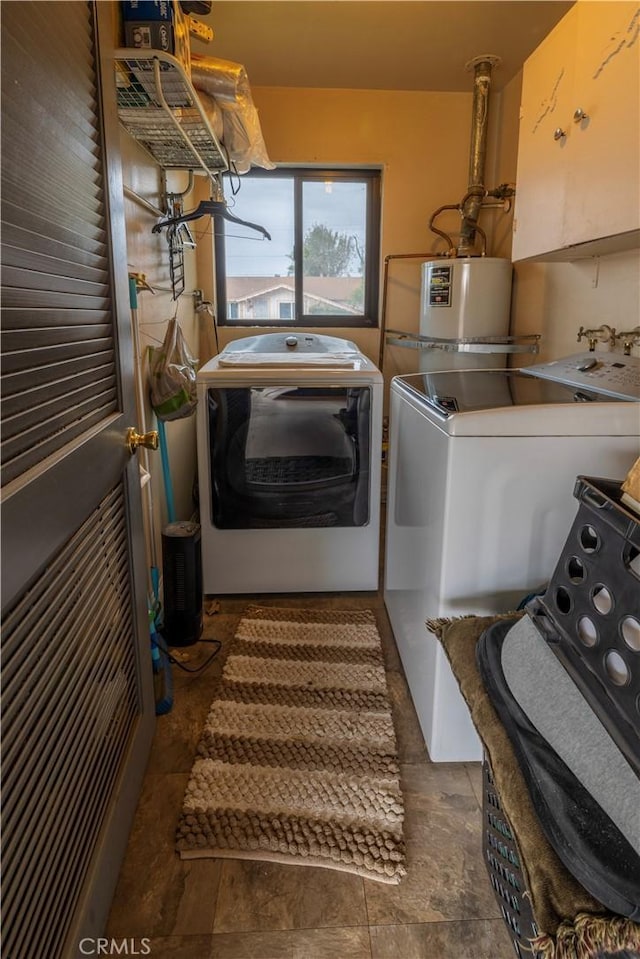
(297, 762)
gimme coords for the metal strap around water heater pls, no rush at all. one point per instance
(527, 343)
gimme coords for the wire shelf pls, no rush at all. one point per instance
(160, 108)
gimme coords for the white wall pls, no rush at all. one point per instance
(556, 299)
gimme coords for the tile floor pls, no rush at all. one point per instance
(234, 909)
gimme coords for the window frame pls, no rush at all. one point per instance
(372, 177)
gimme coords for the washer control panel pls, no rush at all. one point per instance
(612, 374)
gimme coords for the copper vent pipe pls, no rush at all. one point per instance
(482, 67)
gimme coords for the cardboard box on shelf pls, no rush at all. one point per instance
(142, 10)
(157, 25)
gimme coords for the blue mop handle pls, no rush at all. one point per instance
(166, 473)
(162, 678)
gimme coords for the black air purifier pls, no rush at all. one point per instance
(182, 579)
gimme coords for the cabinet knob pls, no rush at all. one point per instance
(559, 133)
(580, 115)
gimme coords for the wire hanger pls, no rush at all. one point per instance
(216, 206)
(210, 208)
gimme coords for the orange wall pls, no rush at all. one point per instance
(420, 140)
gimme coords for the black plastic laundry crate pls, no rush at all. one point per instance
(503, 865)
(590, 612)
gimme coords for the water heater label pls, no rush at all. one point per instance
(440, 286)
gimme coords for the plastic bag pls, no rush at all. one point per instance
(213, 113)
(243, 135)
(222, 79)
(228, 84)
(172, 375)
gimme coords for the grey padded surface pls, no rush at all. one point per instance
(560, 713)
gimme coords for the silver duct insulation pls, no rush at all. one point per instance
(482, 67)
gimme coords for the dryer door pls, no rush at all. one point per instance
(289, 456)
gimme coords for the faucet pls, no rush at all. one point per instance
(629, 338)
(602, 334)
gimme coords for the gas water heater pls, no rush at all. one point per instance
(464, 298)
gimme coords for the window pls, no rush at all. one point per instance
(321, 266)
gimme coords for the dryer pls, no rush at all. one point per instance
(482, 466)
(289, 463)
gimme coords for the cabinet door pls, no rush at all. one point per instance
(541, 181)
(603, 150)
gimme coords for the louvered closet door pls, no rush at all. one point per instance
(77, 696)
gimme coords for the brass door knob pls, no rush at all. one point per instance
(135, 439)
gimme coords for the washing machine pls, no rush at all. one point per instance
(482, 466)
(289, 461)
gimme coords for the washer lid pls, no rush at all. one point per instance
(466, 391)
(512, 403)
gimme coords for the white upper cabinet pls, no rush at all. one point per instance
(578, 179)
